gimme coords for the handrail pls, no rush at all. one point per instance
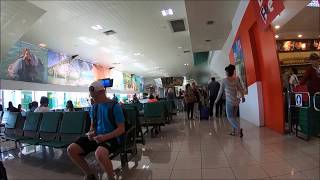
(306, 107)
(314, 101)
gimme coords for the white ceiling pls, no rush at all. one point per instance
(306, 22)
(139, 27)
(201, 11)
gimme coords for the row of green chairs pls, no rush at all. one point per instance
(53, 129)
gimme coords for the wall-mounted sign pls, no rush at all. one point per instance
(297, 45)
(268, 10)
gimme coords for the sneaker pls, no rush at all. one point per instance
(241, 132)
(90, 177)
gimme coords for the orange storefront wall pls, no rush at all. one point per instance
(261, 62)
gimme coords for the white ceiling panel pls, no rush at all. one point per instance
(139, 26)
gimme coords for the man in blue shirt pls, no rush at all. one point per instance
(102, 137)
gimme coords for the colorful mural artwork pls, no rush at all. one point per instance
(28, 62)
(25, 62)
(239, 63)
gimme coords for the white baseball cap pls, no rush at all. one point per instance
(97, 86)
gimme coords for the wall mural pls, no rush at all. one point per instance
(28, 62)
(69, 70)
(25, 62)
(239, 63)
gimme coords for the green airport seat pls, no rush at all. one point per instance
(71, 128)
(48, 128)
(13, 125)
(31, 125)
(154, 113)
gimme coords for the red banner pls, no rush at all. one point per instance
(268, 10)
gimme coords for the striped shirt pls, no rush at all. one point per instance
(231, 87)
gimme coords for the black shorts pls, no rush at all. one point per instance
(88, 146)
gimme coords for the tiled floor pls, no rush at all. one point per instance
(189, 150)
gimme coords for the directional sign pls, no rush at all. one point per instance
(298, 100)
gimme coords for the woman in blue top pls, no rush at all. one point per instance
(103, 135)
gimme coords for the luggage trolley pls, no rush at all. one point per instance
(298, 110)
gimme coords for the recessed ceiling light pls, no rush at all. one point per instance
(42, 45)
(208, 40)
(179, 47)
(167, 12)
(186, 64)
(137, 54)
(97, 27)
(276, 36)
(277, 27)
(89, 41)
(300, 36)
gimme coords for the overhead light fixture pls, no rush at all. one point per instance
(179, 47)
(89, 41)
(167, 12)
(186, 64)
(276, 36)
(300, 36)
(208, 40)
(42, 45)
(97, 27)
(210, 22)
(277, 27)
(314, 3)
(137, 54)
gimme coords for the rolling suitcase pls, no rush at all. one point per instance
(204, 113)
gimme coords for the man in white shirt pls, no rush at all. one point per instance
(44, 101)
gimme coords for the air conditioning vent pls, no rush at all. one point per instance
(178, 25)
(186, 51)
(110, 32)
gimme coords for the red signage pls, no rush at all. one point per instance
(268, 10)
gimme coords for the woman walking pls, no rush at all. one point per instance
(231, 86)
(189, 99)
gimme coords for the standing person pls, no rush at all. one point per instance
(115, 98)
(135, 99)
(196, 93)
(103, 136)
(231, 86)
(20, 108)
(312, 79)
(44, 102)
(171, 96)
(293, 80)
(69, 107)
(11, 108)
(213, 88)
(189, 98)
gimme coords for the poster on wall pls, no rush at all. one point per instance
(239, 63)
(298, 45)
(127, 81)
(69, 70)
(25, 62)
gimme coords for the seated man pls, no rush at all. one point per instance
(102, 137)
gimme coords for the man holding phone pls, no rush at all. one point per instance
(103, 137)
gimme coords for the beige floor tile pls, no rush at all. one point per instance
(278, 168)
(249, 172)
(215, 162)
(268, 157)
(298, 176)
(312, 173)
(184, 154)
(303, 163)
(188, 163)
(241, 160)
(220, 173)
(180, 174)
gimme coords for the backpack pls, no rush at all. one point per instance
(111, 116)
